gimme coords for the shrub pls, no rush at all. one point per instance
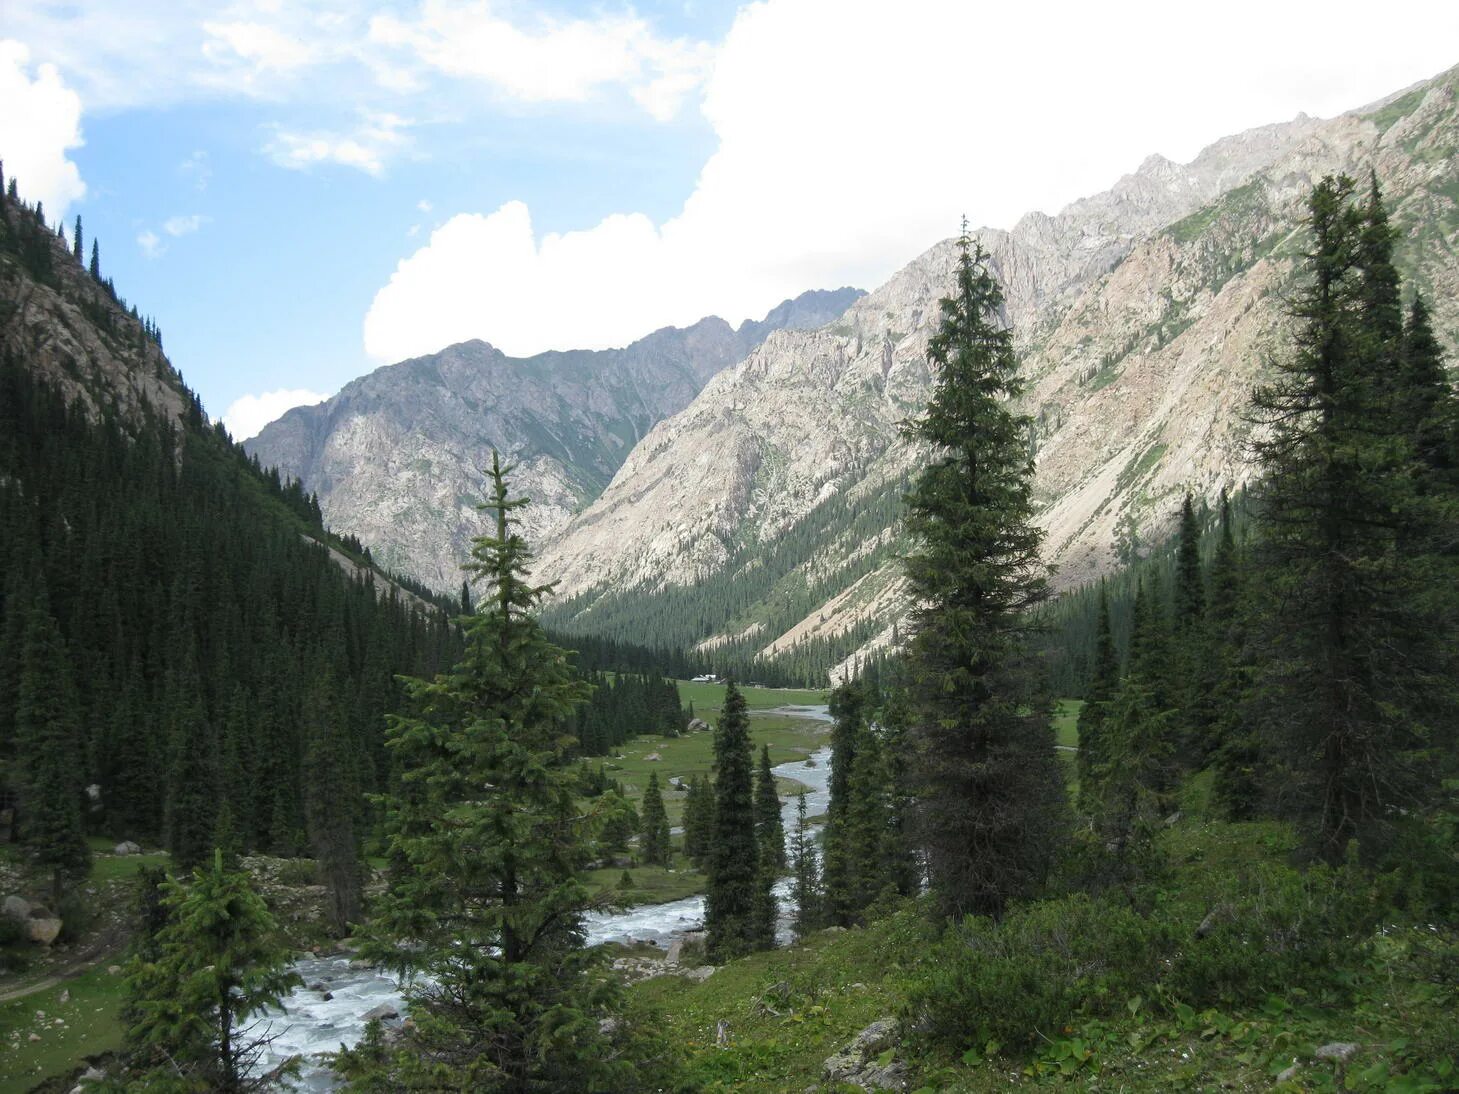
(1023, 979)
(1279, 929)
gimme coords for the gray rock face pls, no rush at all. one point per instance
(1143, 317)
(396, 456)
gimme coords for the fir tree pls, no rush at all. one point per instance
(1356, 652)
(988, 785)
(734, 904)
(48, 747)
(76, 248)
(769, 827)
(653, 843)
(806, 871)
(95, 268)
(698, 820)
(488, 841)
(848, 709)
(330, 801)
(217, 963)
(1104, 683)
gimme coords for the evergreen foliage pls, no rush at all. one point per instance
(488, 838)
(988, 786)
(806, 892)
(1355, 658)
(698, 820)
(735, 912)
(769, 827)
(215, 963)
(654, 844)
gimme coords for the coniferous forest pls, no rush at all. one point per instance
(1194, 825)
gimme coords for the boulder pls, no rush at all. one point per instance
(383, 1012)
(698, 725)
(699, 975)
(1341, 1051)
(42, 931)
(16, 907)
(126, 847)
(858, 1064)
(653, 757)
(676, 947)
(1288, 1074)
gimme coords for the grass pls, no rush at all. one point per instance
(651, 884)
(708, 698)
(1066, 722)
(92, 1026)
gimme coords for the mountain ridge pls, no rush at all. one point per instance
(394, 455)
(1141, 315)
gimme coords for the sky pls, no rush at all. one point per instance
(300, 191)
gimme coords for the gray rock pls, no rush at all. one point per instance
(126, 847)
(676, 947)
(384, 1012)
(858, 1064)
(16, 907)
(698, 975)
(698, 725)
(42, 931)
(1340, 1051)
(359, 963)
(1289, 1074)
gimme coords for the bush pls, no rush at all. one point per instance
(1279, 929)
(298, 872)
(1024, 979)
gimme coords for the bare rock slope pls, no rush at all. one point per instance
(1143, 316)
(396, 457)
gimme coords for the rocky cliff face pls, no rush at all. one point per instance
(395, 457)
(71, 330)
(1143, 316)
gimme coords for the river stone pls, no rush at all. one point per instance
(17, 907)
(383, 1012)
(1341, 1051)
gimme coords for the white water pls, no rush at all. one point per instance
(309, 1024)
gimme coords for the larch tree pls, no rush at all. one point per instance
(989, 790)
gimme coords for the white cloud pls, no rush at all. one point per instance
(184, 225)
(246, 416)
(424, 205)
(367, 147)
(151, 245)
(852, 135)
(257, 46)
(550, 60)
(39, 124)
(197, 168)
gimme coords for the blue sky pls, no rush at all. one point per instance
(302, 191)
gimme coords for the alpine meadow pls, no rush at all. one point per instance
(657, 668)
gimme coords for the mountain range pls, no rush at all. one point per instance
(396, 456)
(1143, 316)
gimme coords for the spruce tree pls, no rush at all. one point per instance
(330, 801)
(734, 903)
(848, 709)
(1356, 653)
(653, 842)
(988, 785)
(48, 748)
(1104, 683)
(488, 841)
(215, 963)
(698, 819)
(769, 827)
(76, 247)
(806, 892)
(95, 268)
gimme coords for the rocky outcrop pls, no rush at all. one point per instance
(864, 1061)
(396, 456)
(1143, 316)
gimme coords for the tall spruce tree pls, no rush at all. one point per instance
(769, 827)
(331, 798)
(989, 789)
(653, 842)
(48, 748)
(806, 892)
(216, 962)
(488, 839)
(734, 902)
(1350, 660)
(849, 712)
(1104, 683)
